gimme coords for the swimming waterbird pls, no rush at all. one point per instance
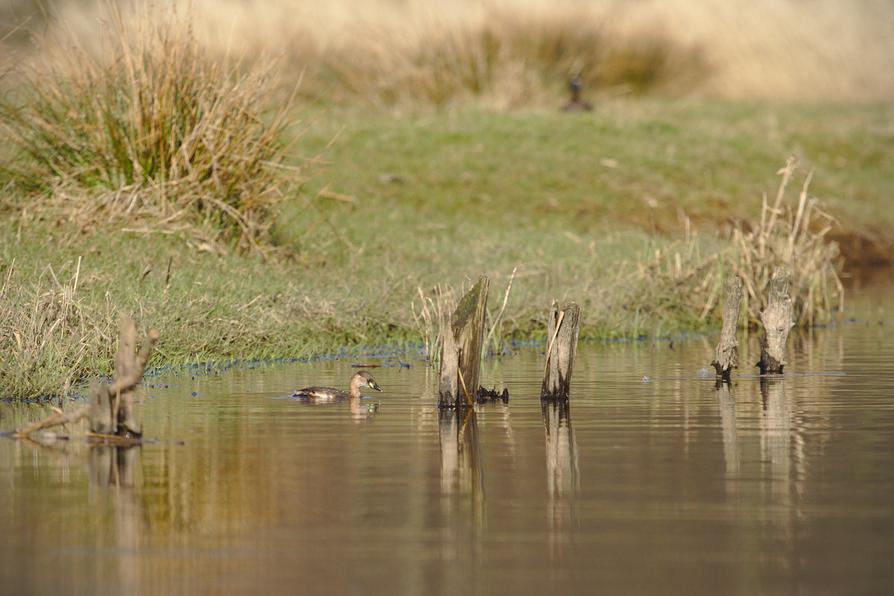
(360, 380)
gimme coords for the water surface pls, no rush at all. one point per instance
(668, 486)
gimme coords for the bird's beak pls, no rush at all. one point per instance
(375, 386)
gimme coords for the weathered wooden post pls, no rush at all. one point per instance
(562, 328)
(726, 356)
(129, 413)
(461, 349)
(777, 321)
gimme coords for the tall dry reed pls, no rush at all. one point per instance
(432, 311)
(793, 237)
(685, 280)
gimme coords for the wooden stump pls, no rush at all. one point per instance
(101, 421)
(562, 327)
(726, 356)
(461, 349)
(113, 412)
(129, 420)
(777, 321)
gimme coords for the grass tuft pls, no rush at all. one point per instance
(49, 339)
(147, 121)
(685, 280)
(793, 238)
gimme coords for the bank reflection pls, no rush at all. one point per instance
(113, 516)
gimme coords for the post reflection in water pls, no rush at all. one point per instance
(562, 472)
(461, 471)
(776, 433)
(115, 473)
(726, 402)
(462, 493)
(781, 450)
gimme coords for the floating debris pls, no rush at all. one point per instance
(490, 395)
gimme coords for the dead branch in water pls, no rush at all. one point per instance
(57, 418)
(113, 411)
(499, 318)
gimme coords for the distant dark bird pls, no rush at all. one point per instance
(576, 104)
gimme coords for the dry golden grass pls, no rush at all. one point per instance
(684, 279)
(432, 311)
(147, 122)
(521, 52)
(431, 317)
(793, 238)
(48, 341)
(422, 52)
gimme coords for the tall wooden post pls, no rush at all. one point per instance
(726, 356)
(461, 349)
(777, 321)
(562, 327)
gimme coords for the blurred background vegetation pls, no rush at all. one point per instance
(522, 52)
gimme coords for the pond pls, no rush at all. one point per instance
(658, 485)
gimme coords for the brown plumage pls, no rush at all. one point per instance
(360, 380)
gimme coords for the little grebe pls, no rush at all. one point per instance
(325, 394)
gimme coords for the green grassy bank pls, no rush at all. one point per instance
(580, 204)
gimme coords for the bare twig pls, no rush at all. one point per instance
(134, 376)
(499, 316)
(55, 419)
(552, 341)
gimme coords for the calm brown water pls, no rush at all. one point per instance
(668, 486)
